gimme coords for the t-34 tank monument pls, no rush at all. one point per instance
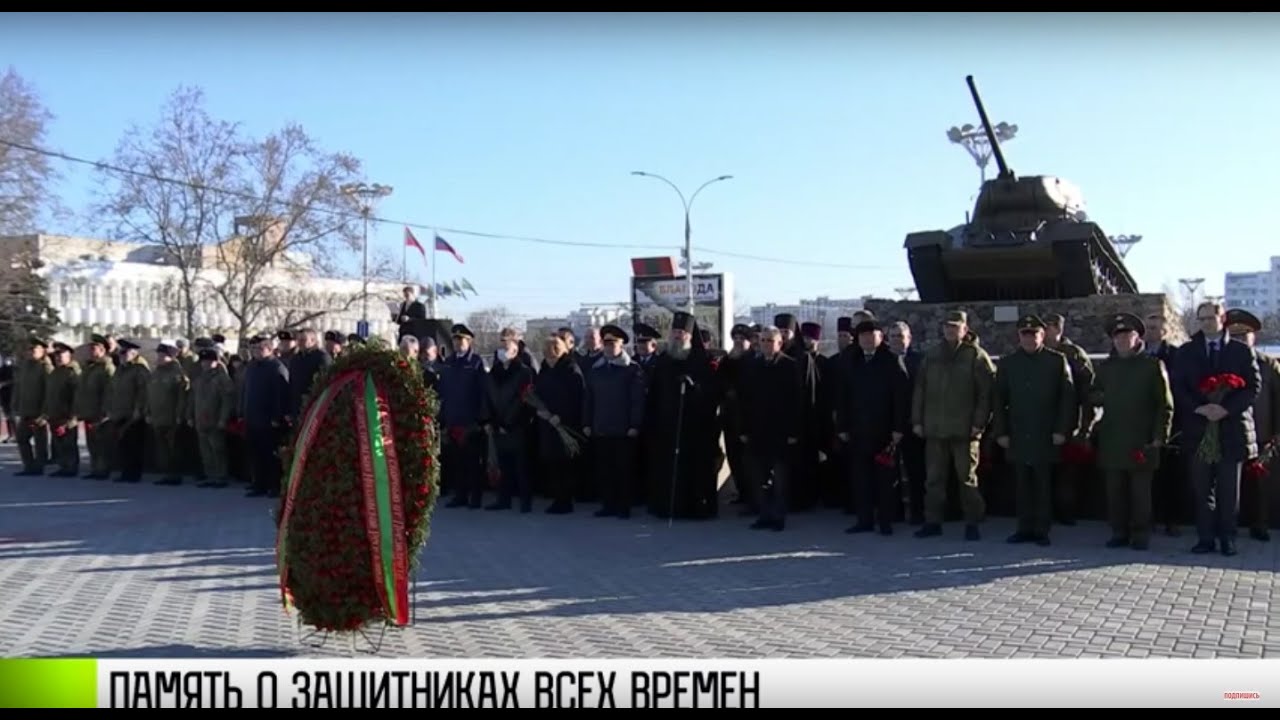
(1028, 247)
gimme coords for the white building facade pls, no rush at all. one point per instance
(130, 290)
(1257, 292)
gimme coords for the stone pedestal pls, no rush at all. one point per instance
(995, 322)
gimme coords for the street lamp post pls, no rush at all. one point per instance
(688, 234)
(366, 194)
(975, 141)
(1125, 243)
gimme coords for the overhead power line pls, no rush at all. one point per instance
(417, 225)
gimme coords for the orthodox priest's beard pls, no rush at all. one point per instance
(680, 352)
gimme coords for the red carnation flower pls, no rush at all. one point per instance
(1256, 470)
(1139, 457)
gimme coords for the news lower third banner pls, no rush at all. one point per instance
(704, 683)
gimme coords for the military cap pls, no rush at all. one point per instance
(128, 344)
(1030, 322)
(1055, 319)
(785, 321)
(681, 320)
(844, 324)
(1242, 321)
(99, 340)
(866, 326)
(354, 339)
(865, 313)
(740, 330)
(59, 347)
(332, 336)
(37, 341)
(755, 328)
(284, 335)
(811, 330)
(461, 330)
(613, 331)
(165, 348)
(645, 332)
(208, 353)
(956, 317)
(218, 339)
(204, 342)
(1124, 322)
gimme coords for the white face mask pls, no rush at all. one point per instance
(503, 355)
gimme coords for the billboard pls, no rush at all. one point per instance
(655, 299)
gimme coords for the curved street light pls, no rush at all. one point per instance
(688, 235)
(975, 141)
(366, 194)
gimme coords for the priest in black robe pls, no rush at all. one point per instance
(684, 447)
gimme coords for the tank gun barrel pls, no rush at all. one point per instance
(986, 125)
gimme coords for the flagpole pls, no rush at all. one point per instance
(434, 290)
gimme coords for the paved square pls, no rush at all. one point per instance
(95, 568)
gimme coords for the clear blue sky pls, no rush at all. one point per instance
(833, 126)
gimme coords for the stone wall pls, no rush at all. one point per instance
(995, 322)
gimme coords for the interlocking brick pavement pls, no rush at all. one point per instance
(117, 570)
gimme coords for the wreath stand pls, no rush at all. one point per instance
(317, 639)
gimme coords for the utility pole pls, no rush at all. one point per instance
(365, 194)
(688, 234)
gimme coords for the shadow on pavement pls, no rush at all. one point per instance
(179, 651)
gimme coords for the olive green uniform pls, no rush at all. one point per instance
(1067, 477)
(126, 410)
(212, 403)
(952, 399)
(1034, 400)
(1266, 422)
(1137, 417)
(91, 410)
(185, 441)
(166, 410)
(59, 411)
(29, 386)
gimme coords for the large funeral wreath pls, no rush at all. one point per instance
(361, 482)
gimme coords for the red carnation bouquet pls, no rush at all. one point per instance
(571, 439)
(1078, 452)
(1260, 467)
(888, 457)
(1215, 388)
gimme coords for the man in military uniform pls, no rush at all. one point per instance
(166, 411)
(91, 407)
(1067, 477)
(1133, 390)
(188, 447)
(950, 408)
(28, 407)
(333, 343)
(213, 400)
(1034, 411)
(1244, 326)
(126, 410)
(59, 411)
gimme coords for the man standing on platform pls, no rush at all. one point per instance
(951, 405)
(1215, 469)
(1035, 410)
(1244, 326)
(1132, 388)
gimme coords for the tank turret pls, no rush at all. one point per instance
(1028, 238)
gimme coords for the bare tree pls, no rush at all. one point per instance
(186, 144)
(487, 325)
(296, 222)
(26, 176)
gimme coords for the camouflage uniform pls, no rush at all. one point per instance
(91, 410)
(166, 411)
(951, 405)
(126, 412)
(28, 407)
(59, 411)
(212, 404)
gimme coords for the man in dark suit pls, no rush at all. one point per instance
(1211, 352)
(411, 308)
(1171, 489)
